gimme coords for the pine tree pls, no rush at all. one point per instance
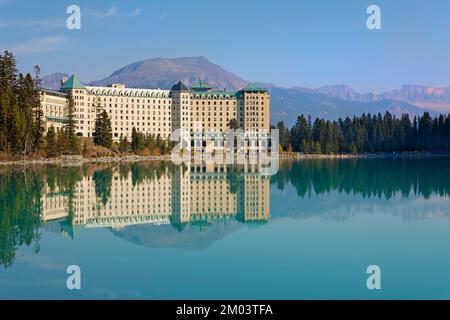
(8, 86)
(16, 128)
(38, 125)
(425, 131)
(70, 129)
(52, 146)
(283, 135)
(103, 130)
(62, 143)
(317, 148)
(136, 141)
(299, 134)
(124, 144)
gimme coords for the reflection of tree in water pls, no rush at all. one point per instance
(140, 172)
(103, 182)
(370, 178)
(20, 205)
(19, 212)
(149, 171)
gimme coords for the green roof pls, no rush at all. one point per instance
(73, 83)
(253, 87)
(201, 86)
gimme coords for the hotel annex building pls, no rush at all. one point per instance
(155, 111)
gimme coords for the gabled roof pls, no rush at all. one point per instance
(179, 87)
(73, 83)
(201, 86)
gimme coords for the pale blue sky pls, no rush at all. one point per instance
(289, 43)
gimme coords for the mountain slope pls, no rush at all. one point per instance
(53, 81)
(287, 104)
(163, 73)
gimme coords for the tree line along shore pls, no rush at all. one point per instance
(367, 134)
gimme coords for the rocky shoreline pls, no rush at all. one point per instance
(403, 155)
(79, 160)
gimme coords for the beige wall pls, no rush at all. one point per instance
(213, 111)
(255, 111)
(149, 111)
(54, 109)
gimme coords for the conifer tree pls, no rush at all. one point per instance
(70, 129)
(103, 130)
(52, 146)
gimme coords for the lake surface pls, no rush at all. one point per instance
(160, 231)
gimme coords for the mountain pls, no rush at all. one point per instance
(287, 104)
(437, 99)
(53, 81)
(330, 102)
(163, 73)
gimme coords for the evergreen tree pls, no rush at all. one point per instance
(8, 86)
(300, 134)
(283, 135)
(38, 124)
(62, 143)
(136, 141)
(103, 130)
(52, 146)
(124, 144)
(16, 128)
(70, 129)
(425, 137)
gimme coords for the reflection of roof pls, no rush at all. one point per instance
(73, 83)
(69, 229)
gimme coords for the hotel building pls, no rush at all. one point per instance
(156, 111)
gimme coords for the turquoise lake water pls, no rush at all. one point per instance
(159, 231)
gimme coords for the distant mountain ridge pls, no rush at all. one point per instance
(422, 96)
(285, 106)
(330, 102)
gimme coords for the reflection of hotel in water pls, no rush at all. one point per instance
(183, 195)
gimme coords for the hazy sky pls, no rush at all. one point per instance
(289, 43)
